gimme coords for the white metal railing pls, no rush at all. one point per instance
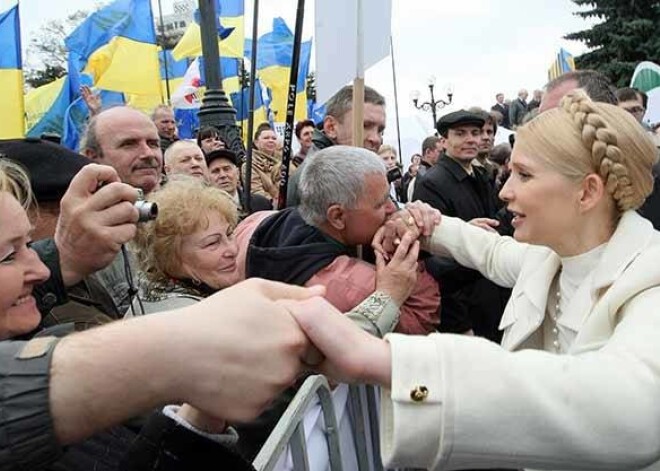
(362, 409)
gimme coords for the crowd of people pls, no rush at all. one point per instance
(505, 297)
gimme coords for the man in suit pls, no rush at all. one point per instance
(456, 187)
(503, 109)
(518, 109)
(536, 101)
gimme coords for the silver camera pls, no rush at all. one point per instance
(147, 210)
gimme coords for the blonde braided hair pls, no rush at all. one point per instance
(606, 155)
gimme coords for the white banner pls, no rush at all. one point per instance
(336, 34)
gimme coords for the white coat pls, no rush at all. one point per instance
(595, 407)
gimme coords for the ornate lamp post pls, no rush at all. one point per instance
(216, 110)
(433, 105)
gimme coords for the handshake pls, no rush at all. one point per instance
(249, 342)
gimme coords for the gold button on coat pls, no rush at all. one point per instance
(419, 393)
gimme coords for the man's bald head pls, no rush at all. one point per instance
(127, 140)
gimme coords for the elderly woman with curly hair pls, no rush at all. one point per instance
(189, 251)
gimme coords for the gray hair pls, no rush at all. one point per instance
(89, 140)
(335, 175)
(181, 143)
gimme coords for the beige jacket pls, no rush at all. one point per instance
(595, 407)
(265, 179)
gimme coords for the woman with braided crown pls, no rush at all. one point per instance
(576, 381)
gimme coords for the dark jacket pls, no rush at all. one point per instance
(163, 445)
(165, 142)
(319, 141)
(257, 203)
(285, 248)
(469, 300)
(517, 112)
(651, 207)
(503, 109)
(447, 187)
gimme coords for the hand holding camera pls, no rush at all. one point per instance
(98, 214)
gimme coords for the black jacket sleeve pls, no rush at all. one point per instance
(164, 445)
(426, 191)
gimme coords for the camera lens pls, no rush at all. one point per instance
(147, 210)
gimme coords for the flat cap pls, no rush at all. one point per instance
(222, 154)
(51, 167)
(458, 118)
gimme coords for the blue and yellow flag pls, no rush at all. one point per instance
(563, 63)
(11, 76)
(174, 71)
(274, 56)
(117, 47)
(39, 100)
(241, 101)
(231, 32)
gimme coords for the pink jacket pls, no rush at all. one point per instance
(349, 281)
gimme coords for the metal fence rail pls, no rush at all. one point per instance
(363, 417)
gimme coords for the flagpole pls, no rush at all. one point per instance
(162, 45)
(358, 92)
(291, 105)
(358, 82)
(242, 79)
(396, 99)
(20, 49)
(247, 184)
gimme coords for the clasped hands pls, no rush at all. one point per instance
(259, 336)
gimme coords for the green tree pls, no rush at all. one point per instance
(626, 35)
(46, 52)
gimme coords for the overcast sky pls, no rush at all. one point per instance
(481, 47)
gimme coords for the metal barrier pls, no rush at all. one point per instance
(363, 416)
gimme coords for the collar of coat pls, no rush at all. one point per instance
(634, 236)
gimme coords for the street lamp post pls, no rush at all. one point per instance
(216, 110)
(433, 105)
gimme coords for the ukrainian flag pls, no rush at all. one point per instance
(117, 47)
(230, 69)
(11, 76)
(231, 29)
(241, 101)
(169, 67)
(39, 101)
(564, 62)
(274, 56)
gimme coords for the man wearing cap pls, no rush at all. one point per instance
(471, 304)
(223, 170)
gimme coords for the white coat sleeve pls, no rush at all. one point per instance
(498, 258)
(487, 407)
